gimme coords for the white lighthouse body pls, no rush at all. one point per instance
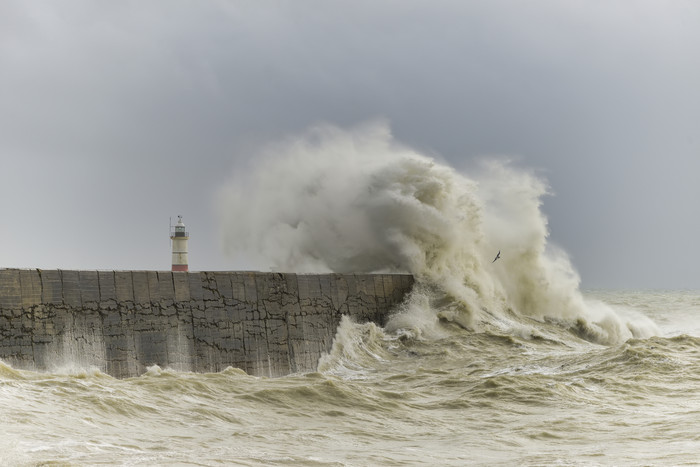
(179, 239)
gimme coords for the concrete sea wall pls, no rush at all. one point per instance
(121, 322)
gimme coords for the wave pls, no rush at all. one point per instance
(336, 200)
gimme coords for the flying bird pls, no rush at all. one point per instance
(497, 256)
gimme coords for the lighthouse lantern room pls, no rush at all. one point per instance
(179, 239)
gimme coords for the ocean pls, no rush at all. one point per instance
(388, 397)
(496, 357)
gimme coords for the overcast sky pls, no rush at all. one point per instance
(116, 115)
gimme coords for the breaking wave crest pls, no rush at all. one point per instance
(335, 200)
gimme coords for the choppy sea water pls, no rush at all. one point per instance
(460, 397)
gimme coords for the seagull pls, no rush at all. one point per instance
(497, 256)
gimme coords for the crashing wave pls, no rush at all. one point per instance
(335, 200)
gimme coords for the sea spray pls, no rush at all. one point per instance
(358, 201)
(355, 348)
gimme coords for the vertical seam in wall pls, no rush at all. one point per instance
(259, 357)
(24, 310)
(116, 310)
(193, 349)
(133, 334)
(177, 322)
(101, 318)
(290, 349)
(42, 304)
(63, 294)
(148, 289)
(41, 285)
(244, 327)
(99, 291)
(165, 332)
(172, 279)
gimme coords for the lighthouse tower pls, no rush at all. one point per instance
(179, 240)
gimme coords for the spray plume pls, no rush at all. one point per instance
(346, 201)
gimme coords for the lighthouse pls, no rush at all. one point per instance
(179, 239)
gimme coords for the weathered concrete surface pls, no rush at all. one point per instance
(121, 322)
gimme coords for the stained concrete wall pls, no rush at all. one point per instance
(121, 322)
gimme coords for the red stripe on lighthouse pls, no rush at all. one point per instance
(180, 267)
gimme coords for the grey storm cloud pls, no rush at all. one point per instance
(118, 115)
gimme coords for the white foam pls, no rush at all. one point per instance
(358, 201)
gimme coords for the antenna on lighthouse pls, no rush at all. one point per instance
(179, 239)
